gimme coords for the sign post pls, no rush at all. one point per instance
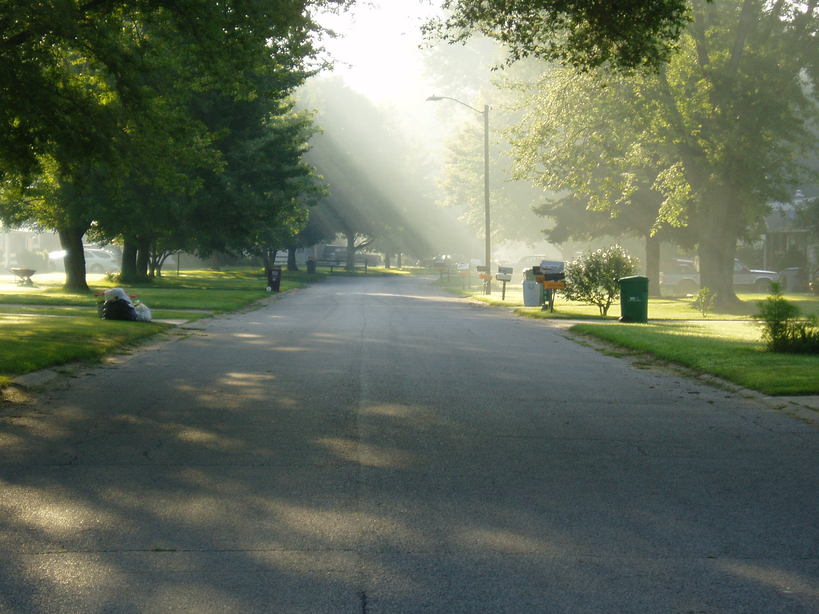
(486, 276)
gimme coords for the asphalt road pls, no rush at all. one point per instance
(371, 446)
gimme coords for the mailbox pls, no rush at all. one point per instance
(552, 270)
(550, 274)
(504, 273)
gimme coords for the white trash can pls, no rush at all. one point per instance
(532, 294)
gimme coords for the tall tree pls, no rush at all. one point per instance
(73, 80)
(713, 136)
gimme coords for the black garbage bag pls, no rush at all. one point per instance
(118, 309)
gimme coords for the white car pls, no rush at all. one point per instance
(758, 280)
(683, 278)
(96, 260)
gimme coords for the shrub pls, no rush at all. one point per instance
(782, 328)
(594, 277)
(704, 301)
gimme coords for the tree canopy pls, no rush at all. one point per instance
(100, 103)
(711, 138)
(586, 34)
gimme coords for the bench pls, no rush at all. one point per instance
(340, 264)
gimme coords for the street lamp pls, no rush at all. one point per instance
(487, 251)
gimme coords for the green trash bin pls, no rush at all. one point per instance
(634, 299)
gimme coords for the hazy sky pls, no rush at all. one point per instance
(378, 54)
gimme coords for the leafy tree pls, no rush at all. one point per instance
(511, 201)
(594, 276)
(96, 71)
(711, 138)
(808, 215)
(375, 192)
(582, 33)
(312, 233)
(264, 184)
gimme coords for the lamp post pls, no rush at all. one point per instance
(487, 249)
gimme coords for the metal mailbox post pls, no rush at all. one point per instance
(463, 273)
(486, 276)
(550, 274)
(504, 276)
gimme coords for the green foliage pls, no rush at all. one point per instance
(586, 34)
(594, 276)
(704, 301)
(375, 190)
(115, 124)
(699, 148)
(782, 328)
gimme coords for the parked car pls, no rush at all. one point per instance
(97, 260)
(758, 280)
(682, 277)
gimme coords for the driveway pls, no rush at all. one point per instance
(373, 446)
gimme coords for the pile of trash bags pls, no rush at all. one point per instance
(117, 305)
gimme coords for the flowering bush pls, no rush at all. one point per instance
(594, 276)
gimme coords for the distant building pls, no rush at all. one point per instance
(26, 247)
(788, 244)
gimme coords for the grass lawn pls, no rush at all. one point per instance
(730, 350)
(727, 343)
(32, 342)
(209, 290)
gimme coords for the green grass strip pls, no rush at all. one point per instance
(35, 342)
(730, 350)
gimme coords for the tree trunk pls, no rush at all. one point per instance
(143, 257)
(128, 270)
(387, 257)
(71, 242)
(718, 246)
(291, 259)
(350, 251)
(716, 270)
(653, 265)
(269, 259)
